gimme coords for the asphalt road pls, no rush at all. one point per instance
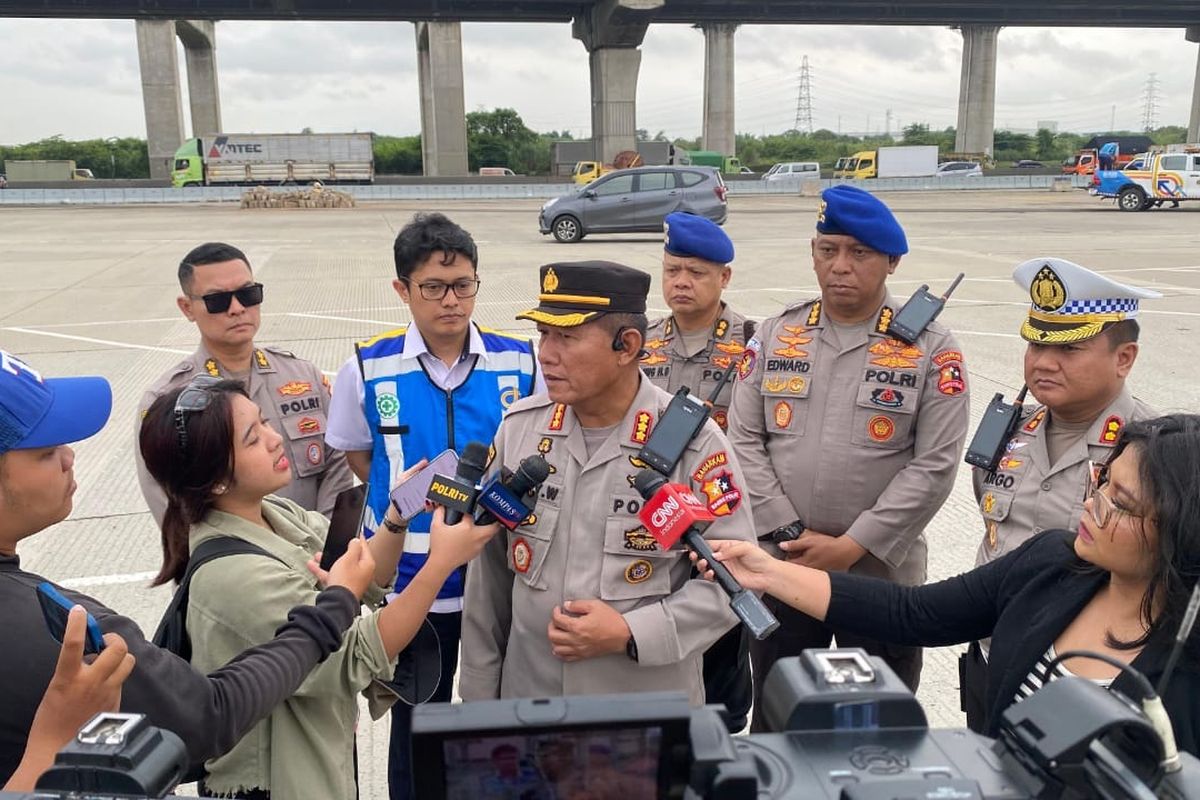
(92, 291)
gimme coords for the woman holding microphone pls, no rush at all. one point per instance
(219, 461)
(1117, 586)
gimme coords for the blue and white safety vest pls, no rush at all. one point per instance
(412, 418)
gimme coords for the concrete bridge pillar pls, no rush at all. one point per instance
(1193, 35)
(160, 93)
(199, 39)
(977, 90)
(719, 121)
(612, 31)
(443, 105)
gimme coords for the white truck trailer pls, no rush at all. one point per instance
(275, 158)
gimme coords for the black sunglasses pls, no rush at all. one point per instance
(196, 397)
(219, 302)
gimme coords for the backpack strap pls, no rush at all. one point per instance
(171, 633)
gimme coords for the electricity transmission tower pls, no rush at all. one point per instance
(1150, 110)
(804, 113)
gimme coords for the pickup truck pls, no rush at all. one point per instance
(1173, 177)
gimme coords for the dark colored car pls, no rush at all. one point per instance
(1028, 163)
(634, 201)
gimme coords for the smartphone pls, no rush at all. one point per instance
(675, 429)
(409, 497)
(991, 437)
(55, 609)
(345, 523)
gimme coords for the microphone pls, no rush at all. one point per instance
(671, 513)
(503, 499)
(458, 494)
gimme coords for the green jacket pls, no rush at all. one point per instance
(305, 747)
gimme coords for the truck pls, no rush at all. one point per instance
(729, 165)
(226, 159)
(1087, 159)
(1163, 177)
(908, 161)
(587, 171)
(18, 171)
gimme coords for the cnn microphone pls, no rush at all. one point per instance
(671, 513)
(457, 495)
(503, 499)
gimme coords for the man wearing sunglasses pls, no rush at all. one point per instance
(222, 298)
(410, 393)
(1081, 336)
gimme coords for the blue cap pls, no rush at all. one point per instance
(847, 211)
(46, 412)
(692, 236)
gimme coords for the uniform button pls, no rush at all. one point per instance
(1037, 530)
(1046, 486)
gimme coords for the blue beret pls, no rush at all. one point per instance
(691, 236)
(848, 211)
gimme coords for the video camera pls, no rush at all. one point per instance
(113, 755)
(845, 727)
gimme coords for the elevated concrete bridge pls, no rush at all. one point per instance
(610, 30)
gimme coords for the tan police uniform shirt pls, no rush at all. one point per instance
(294, 396)
(585, 541)
(851, 431)
(668, 365)
(1027, 494)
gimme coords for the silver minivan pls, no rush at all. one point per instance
(634, 201)
(794, 170)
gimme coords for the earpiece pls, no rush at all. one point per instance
(618, 344)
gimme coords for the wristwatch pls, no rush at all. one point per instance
(631, 649)
(394, 527)
(784, 533)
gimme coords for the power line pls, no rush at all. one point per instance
(804, 111)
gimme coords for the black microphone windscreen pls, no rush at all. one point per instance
(647, 482)
(473, 462)
(531, 473)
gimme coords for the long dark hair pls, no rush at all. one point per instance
(1168, 450)
(188, 477)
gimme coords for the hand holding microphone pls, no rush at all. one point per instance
(672, 513)
(457, 494)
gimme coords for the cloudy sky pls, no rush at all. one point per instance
(80, 78)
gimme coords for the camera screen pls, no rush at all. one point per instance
(606, 764)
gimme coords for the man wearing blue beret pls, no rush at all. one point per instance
(850, 438)
(702, 335)
(692, 347)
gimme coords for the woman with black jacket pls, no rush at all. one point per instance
(1118, 585)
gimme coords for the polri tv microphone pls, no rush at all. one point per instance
(457, 495)
(671, 512)
(504, 498)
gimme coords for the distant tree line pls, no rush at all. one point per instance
(500, 138)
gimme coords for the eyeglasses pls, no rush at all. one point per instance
(436, 290)
(1103, 507)
(196, 397)
(219, 302)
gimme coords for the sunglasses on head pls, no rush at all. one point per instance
(219, 302)
(195, 397)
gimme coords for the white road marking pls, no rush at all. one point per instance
(109, 342)
(108, 580)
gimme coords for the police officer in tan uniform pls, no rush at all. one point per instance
(702, 336)
(581, 599)
(222, 298)
(1082, 343)
(849, 438)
